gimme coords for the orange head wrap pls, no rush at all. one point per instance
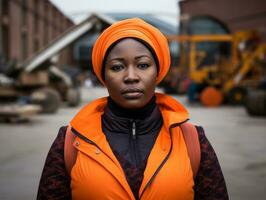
(132, 28)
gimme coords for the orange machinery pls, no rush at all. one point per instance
(228, 76)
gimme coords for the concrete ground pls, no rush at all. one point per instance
(239, 141)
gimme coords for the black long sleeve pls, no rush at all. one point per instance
(209, 182)
(55, 181)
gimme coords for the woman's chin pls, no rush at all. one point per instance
(133, 103)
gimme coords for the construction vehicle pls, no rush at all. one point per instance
(233, 67)
(255, 101)
(46, 87)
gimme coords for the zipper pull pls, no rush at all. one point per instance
(133, 130)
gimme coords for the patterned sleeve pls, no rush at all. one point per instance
(55, 181)
(209, 182)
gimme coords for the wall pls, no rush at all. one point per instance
(236, 14)
(28, 26)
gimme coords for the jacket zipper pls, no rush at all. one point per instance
(134, 141)
(134, 130)
(165, 159)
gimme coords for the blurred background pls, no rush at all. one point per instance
(218, 71)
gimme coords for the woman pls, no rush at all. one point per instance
(130, 145)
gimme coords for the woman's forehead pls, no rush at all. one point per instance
(129, 45)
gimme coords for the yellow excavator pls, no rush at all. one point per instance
(219, 67)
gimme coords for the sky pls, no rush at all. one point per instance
(78, 9)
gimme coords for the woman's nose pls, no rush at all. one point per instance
(131, 75)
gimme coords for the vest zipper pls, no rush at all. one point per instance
(165, 159)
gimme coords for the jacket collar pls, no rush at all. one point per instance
(173, 112)
(88, 120)
(145, 123)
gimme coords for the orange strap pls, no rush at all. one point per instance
(190, 136)
(70, 153)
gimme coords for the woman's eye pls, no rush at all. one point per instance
(117, 67)
(143, 66)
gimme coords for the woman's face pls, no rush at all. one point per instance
(130, 74)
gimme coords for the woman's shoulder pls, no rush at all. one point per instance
(203, 140)
(200, 131)
(61, 132)
(205, 144)
(59, 141)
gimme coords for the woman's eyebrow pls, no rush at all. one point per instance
(122, 59)
(140, 56)
(118, 58)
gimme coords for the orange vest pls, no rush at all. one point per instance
(97, 173)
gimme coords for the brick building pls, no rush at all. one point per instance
(234, 14)
(26, 26)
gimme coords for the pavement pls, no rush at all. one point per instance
(238, 139)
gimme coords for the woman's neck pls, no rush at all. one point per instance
(140, 113)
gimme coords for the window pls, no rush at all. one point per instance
(36, 45)
(5, 8)
(4, 42)
(24, 46)
(206, 25)
(45, 32)
(209, 25)
(36, 16)
(24, 12)
(36, 23)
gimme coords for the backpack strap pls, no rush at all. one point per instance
(70, 153)
(191, 138)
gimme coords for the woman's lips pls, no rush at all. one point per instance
(132, 93)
